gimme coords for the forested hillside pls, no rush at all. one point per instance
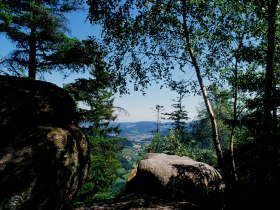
(138, 131)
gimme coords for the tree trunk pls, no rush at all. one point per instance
(32, 61)
(211, 114)
(207, 102)
(267, 142)
(233, 127)
(32, 65)
(274, 110)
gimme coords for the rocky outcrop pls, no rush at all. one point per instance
(26, 103)
(43, 156)
(178, 178)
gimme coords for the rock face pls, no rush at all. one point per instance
(178, 178)
(43, 156)
(26, 103)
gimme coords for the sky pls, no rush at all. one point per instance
(139, 107)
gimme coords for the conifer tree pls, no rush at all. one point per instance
(94, 98)
(158, 109)
(179, 115)
(38, 30)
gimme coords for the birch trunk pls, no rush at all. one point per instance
(211, 114)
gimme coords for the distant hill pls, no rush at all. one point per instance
(143, 131)
(142, 127)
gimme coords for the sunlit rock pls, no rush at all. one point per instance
(178, 178)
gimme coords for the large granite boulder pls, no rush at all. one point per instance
(43, 156)
(25, 103)
(178, 178)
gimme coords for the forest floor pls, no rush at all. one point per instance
(138, 201)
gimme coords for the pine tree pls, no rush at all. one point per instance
(96, 113)
(179, 115)
(158, 109)
(96, 102)
(38, 30)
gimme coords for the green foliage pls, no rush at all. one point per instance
(147, 37)
(127, 165)
(179, 115)
(121, 171)
(204, 155)
(105, 194)
(167, 144)
(173, 145)
(5, 16)
(201, 132)
(157, 145)
(158, 109)
(83, 53)
(96, 112)
(103, 169)
(176, 145)
(38, 29)
(136, 158)
(159, 37)
(95, 101)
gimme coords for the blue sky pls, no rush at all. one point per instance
(139, 107)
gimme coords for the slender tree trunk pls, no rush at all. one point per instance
(211, 114)
(267, 142)
(157, 129)
(274, 111)
(32, 61)
(158, 109)
(32, 66)
(232, 132)
(207, 102)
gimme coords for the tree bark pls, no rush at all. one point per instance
(233, 127)
(207, 102)
(32, 61)
(267, 142)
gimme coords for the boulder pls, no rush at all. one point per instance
(25, 103)
(43, 159)
(178, 178)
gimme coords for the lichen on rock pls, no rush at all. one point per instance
(178, 178)
(43, 155)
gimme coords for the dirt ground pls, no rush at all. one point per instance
(139, 201)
